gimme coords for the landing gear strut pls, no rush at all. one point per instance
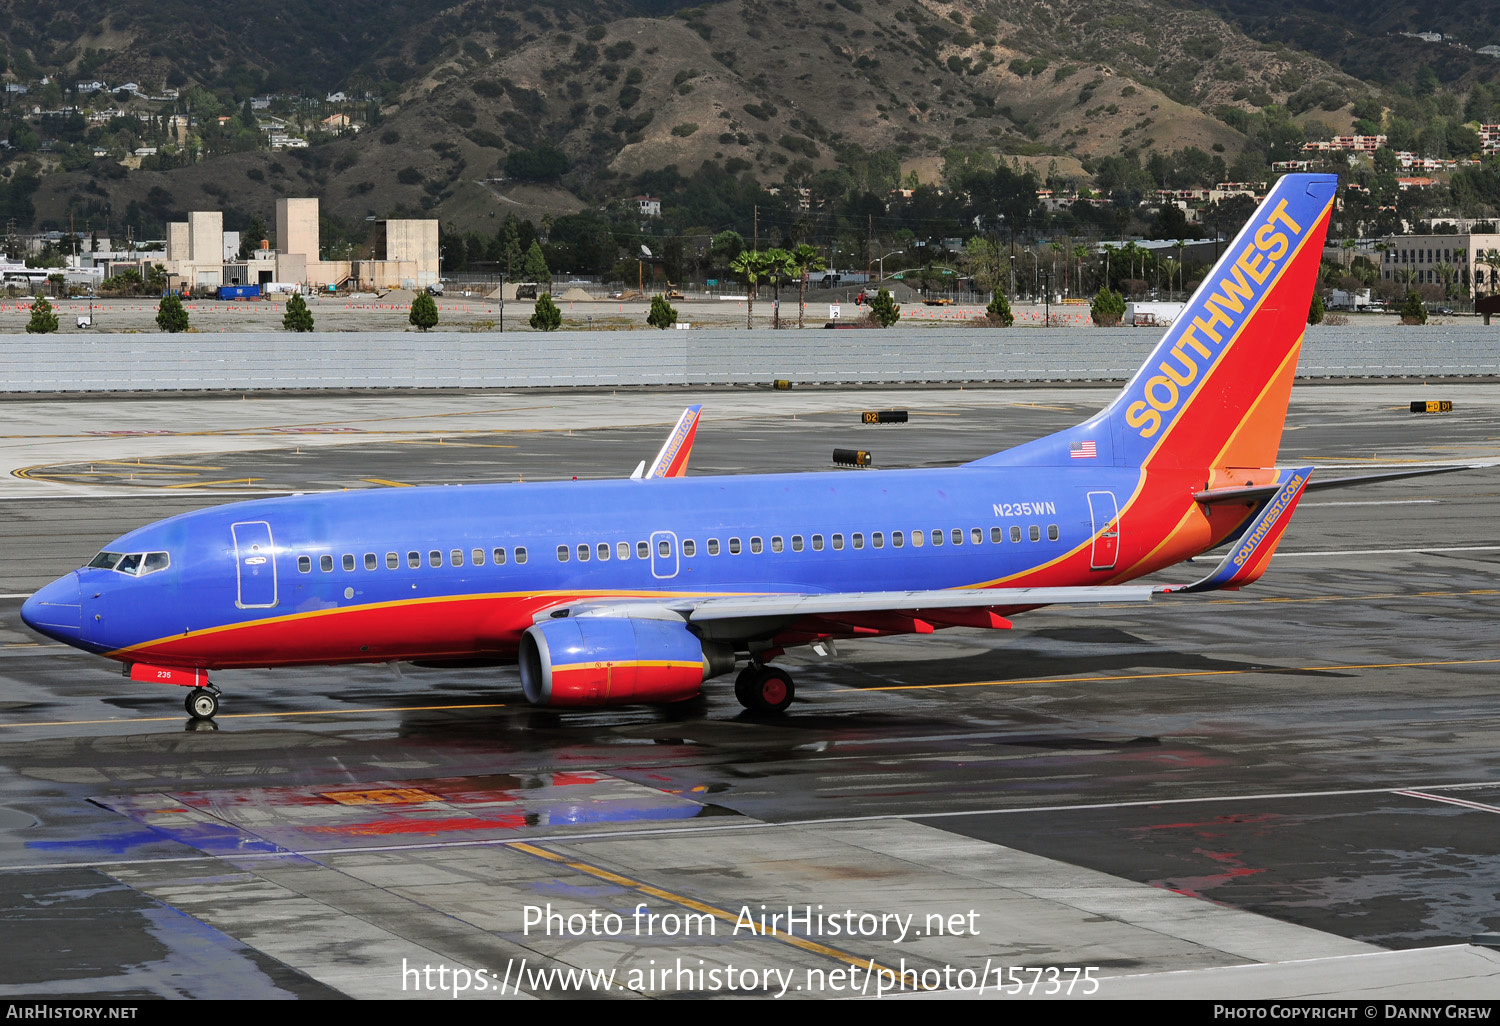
(202, 703)
(764, 689)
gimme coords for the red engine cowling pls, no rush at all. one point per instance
(616, 661)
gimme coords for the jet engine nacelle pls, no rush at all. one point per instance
(616, 661)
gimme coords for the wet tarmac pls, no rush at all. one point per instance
(1305, 769)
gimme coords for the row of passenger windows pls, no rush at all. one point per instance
(622, 550)
(876, 540)
(456, 557)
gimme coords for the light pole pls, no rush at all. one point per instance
(881, 262)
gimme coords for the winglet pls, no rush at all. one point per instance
(673, 459)
(1251, 554)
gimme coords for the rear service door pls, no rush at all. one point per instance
(1106, 517)
(255, 565)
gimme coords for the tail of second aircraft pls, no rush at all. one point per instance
(1214, 392)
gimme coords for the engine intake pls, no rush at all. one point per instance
(616, 661)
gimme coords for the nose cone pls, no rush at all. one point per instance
(57, 610)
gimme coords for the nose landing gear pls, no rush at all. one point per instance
(202, 703)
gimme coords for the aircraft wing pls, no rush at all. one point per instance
(748, 616)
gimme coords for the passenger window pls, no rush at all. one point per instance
(642, 550)
(734, 546)
(456, 557)
(713, 546)
(897, 539)
(1052, 533)
(689, 547)
(1015, 533)
(392, 561)
(796, 543)
(857, 540)
(838, 542)
(958, 536)
(562, 554)
(937, 536)
(499, 556)
(304, 564)
(583, 552)
(413, 559)
(477, 557)
(755, 545)
(664, 548)
(602, 549)
(1036, 533)
(325, 564)
(622, 549)
(434, 558)
(976, 536)
(371, 561)
(877, 540)
(997, 535)
(348, 561)
(777, 544)
(917, 539)
(817, 543)
(520, 554)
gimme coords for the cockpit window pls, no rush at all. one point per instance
(136, 564)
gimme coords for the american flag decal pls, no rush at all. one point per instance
(1083, 450)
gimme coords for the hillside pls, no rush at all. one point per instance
(622, 92)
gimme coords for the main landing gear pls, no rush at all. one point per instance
(202, 703)
(764, 689)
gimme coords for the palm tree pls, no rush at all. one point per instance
(778, 269)
(1080, 254)
(804, 259)
(751, 266)
(1181, 246)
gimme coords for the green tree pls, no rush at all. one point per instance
(884, 309)
(547, 317)
(535, 266)
(170, 315)
(663, 314)
(752, 268)
(297, 317)
(43, 319)
(424, 312)
(510, 245)
(1412, 311)
(1107, 309)
(999, 311)
(1315, 311)
(804, 259)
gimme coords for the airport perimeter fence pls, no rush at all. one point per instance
(254, 361)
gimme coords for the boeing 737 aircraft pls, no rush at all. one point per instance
(638, 591)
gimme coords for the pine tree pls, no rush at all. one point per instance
(883, 308)
(535, 266)
(424, 312)
(1412, 311)
(297, 317)
(170, 315)
(663, 314)
(1108, 308)
(43, 319)
(547, 317)
(999, 311)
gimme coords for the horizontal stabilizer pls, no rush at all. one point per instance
(1255, 493)
(1248, 558)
